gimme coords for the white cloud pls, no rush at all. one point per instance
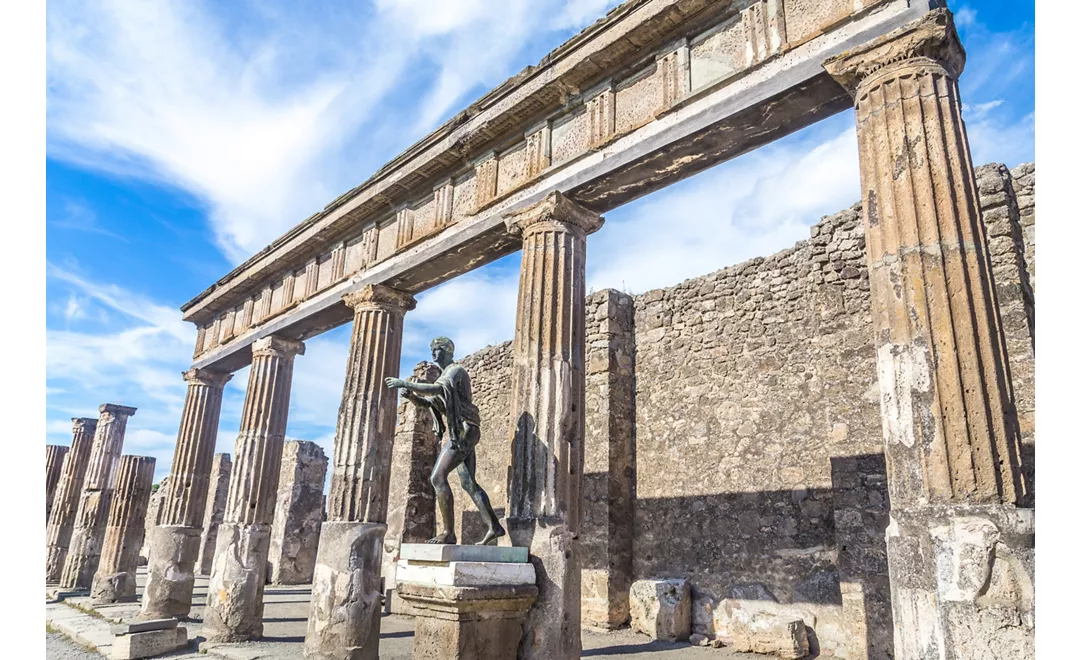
(268, 116)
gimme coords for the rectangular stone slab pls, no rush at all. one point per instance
(143, 626)
(448, 553)
(148, 644)
(466, 573)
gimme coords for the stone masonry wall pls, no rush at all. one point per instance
(757, 464)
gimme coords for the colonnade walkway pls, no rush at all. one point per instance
(285, 622)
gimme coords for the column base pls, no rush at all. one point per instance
(345, 601)
(115, 588)
(963, 582)
(553, 626)
(170, 575)
(82, 560)
(234, 604)
(467, 623)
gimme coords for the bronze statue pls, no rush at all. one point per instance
(450, 400)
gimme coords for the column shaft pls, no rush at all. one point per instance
(298, 516)
(548, 410)
(54, 462)
(66, 500)
(174, 541)
(115, 578)
(234, 606)
(215, 512)
(345, 600)
(96, 497)
(960, 552)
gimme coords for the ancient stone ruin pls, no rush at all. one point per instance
(826, 451)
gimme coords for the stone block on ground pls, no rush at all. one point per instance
(756, 631)
(148, 644)
(143, 626)
(661, 608)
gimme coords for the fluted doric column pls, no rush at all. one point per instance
(215, 511)
(54, 461)
(548, 393)
(345, 599)
(174, 541)
(66, 500)
(93, 513)
(114, 580)
(234, 606)
(960, 550)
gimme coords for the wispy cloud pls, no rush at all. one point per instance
(268, 115)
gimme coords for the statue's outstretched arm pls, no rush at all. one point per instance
(422, 388)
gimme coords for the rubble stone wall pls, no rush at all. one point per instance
(758, 464)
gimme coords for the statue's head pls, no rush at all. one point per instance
(442, 350)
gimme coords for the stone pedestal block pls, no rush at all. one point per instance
(148, 644)
(345, 612)
(170, 572)
(66, 499)
(215, 512)
(115, 578)
(661, 609)
(234, 603)
(294, 539)
(467, 623)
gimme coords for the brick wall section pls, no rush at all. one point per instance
(757, 426)
(1015, 294)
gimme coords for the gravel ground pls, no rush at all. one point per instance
(58, 647)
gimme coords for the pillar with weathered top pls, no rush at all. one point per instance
(298, 514)
(96, 497)
(548, 412)
(215, 512)
(66, 500)
(54, 462)
(345, 599)
(173, 545)
(234, 604)
(114, 580)
(961, 552)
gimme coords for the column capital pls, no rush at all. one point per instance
(279, 346)
(380, 297)
(930, 40)
(207, 377)
(117, 409)
(83, 424)
(555, 209)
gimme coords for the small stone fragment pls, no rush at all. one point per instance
(661, 608)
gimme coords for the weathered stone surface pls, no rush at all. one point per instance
(952, 441)
(171, 569)
(153, 517)
(54, 462)
(114, 580)
(607, 526)
(410, 516)
(148, 644)
(436, 552)
(235, 594)
(345, 595)
(466, 573)
(661, 608)
(66, 500)
(215, 512)
(767, 633)
(547, 461)
(467, 623)
(294, 537)
(142, 626)
(93, 514)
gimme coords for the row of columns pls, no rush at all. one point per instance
(948, 421)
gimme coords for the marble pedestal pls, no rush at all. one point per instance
(470, 602)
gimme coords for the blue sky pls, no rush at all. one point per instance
(183, 137)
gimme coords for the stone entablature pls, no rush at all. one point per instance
(649, 79)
